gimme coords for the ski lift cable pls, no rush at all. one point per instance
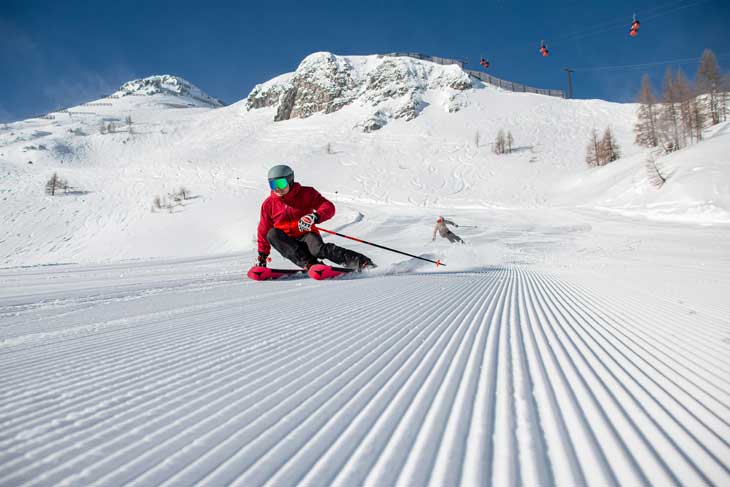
(621, 21)
(647, 14)
(605, 27)
(642, 65)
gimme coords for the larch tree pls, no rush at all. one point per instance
(593, 150)
(708, 82)
(500, 142)
(609, 149)
(669, 118)
(646, 124)
(685, 99)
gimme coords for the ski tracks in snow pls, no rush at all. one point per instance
(504, 377)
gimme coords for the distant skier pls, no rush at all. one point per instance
(287, 222)
(444, 231)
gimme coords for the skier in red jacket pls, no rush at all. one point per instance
(287, 222)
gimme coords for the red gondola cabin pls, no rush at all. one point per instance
(634, 27)
(544, 50)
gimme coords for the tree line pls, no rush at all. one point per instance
(682, 111)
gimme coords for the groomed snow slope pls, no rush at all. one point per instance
(584, 359)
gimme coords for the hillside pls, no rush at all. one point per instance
(430, 162)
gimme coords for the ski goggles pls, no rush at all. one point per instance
(278, 183)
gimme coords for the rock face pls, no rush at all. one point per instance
(167, 85)
(393, 86)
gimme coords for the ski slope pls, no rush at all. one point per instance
(598, 372)
(579, 337)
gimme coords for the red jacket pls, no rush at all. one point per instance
(284, 212)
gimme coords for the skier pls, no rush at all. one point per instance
(443, 230)
(287, 222)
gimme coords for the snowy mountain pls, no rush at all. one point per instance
(391, 87)
(168, 85)
(579, 337)
(428, 156)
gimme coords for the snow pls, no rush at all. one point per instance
(580, 337)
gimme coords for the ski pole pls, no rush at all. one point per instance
(437, 262)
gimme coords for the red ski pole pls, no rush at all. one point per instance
(437, 262)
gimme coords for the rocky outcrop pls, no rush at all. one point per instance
(324, 83)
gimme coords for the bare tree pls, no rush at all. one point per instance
(698, 116)
(608, 148)
(652, 169)
(708, 81)
(54, 184)
(476, 138)
(685, 99)
(646, 124)
(159, 203)
(499, 143)
(593, 150)
(669, 132)
(510, 141)
(128, 122)
(725, 95)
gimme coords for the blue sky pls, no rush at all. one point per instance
(60, 53)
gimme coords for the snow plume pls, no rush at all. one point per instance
(392, 87)
(167, 85)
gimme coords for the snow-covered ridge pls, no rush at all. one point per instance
(389, 87)
(167, 85)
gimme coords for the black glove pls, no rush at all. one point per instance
(262, 259)
(306, 222)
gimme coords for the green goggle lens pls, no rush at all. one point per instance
(278, 183)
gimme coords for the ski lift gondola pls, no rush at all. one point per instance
(634, 27)
(543, 49)
(484, 63)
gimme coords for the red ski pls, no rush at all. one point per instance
(258, 273)
(323, 271)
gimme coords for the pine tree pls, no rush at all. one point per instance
(646, 125)
(708, 81)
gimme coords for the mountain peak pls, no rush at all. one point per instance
(393, 87)
(167, 85)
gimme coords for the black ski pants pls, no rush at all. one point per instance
(453, 238)
(310, 247)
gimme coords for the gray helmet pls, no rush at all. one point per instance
(282, 171)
